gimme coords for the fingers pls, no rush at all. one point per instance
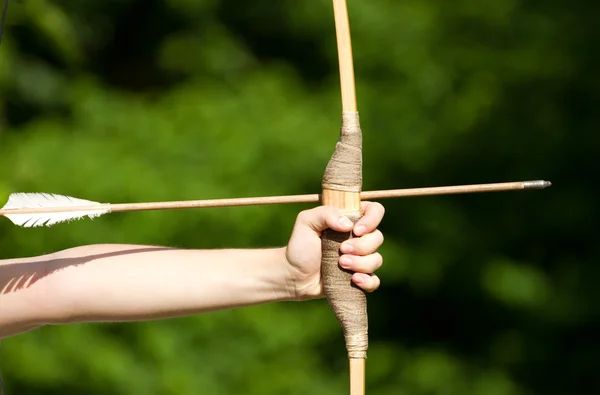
(372, 216)
(324, 217)
(363, 245)
(368, 282)
(360, 253)
(362, 264)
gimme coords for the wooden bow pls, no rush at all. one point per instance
(342, 184)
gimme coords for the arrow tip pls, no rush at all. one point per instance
(536, 184)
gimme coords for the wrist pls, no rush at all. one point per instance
(299, 285)
(281, 276)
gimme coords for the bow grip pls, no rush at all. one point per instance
(342, 184)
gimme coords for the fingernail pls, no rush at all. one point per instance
(345, 262)
(360, 230)
(345, 221)
(347, 248)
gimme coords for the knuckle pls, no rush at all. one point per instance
(368, 243)
(378, 260)
(377, 282)
(302, 216)
(361, 247)
(305, 216)
(368, 264)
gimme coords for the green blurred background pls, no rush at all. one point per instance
(144, 100)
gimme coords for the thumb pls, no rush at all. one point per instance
(325, 217)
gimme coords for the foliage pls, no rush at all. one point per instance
(125, 101)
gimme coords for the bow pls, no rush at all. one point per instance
(342, 184)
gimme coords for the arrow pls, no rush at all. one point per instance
(45, 209)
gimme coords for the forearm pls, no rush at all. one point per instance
(129, 283)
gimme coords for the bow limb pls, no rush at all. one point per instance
(342, 185)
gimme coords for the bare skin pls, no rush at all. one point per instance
(124, 283)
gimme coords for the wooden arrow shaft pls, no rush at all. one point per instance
(317, 198)
(289, 199)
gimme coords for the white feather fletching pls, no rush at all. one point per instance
(48, 200)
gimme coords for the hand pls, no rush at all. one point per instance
(359, 254)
